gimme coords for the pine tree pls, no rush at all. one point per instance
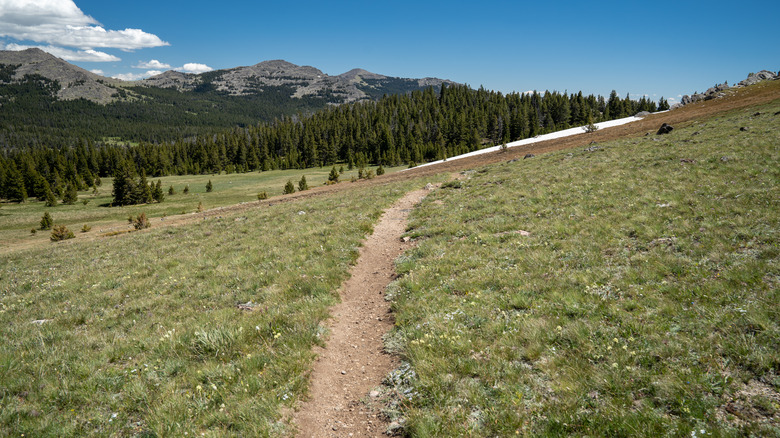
(302, 185)
(186, 189)
(334, 175)
(209, 187)
(380, 170)
(663, 105)
(171, 191)
(124, 186)
(143, 193)
(289, 187)
(51, 201)
(46, 221)
(157, 192)
(71, 195)
(15, 190)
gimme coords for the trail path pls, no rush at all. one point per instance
(353, 361)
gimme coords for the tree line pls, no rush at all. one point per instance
(398, 129)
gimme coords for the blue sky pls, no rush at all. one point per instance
(658, 48)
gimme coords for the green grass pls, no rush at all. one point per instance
(644, 302)
(16, 220)
(142, 334)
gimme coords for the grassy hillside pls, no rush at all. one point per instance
(16, 220)
(143, 334)
(631, 289)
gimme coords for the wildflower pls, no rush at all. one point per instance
(214, 387)
(614, 365)
(199, 388)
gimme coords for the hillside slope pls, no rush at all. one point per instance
(630, 288)
(627, 290)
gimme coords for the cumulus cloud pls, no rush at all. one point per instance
(88, 55)
(98, 71)
(153, 64)
(61, 22)
(192, 67)
(136, 76)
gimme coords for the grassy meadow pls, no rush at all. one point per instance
(630, 289)
(204, 329)
(16, 220)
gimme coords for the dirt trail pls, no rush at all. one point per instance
(353, 361)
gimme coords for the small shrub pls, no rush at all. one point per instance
(333, 177)
(61, 232)
(289, 187)
(33, 231)
(380, 170)
(85, 201)
(302, 184)
(141, 222)
(200, 206)
(186, 189)
(130, 219)
(209, 187)
(262, 195)
(504, 148)
(370, 174)
(171, 190)
(46, 221)
(85, 228)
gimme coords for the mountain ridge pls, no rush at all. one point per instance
(354, 85)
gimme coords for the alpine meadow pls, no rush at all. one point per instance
(274, 251)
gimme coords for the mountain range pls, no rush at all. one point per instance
(299, 81)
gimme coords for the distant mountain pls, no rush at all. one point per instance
(278, 76)
(75, 82)
(354, 85)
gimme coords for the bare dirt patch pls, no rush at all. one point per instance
(354, 361)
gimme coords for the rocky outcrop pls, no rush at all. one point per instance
(720, 90)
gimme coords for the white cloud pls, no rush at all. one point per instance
(98, 71)
(136, 76)
(192, 67)
(61, 22)
(154, 64)
(88, 55)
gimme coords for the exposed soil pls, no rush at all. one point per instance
(353, 361)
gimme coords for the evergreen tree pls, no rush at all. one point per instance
(46, 221)
(663, 105)
(380, 170)
(171, 190)
(289, 187)
(71, 195)
(15, 190)
(51, 201)
(143, 192)
(302, 185)
(334, 175)
(124, 186)
(186, 189)
(209, 187)
(157, 192)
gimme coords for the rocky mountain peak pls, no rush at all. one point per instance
(75, 82)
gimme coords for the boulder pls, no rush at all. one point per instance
(664, 129)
